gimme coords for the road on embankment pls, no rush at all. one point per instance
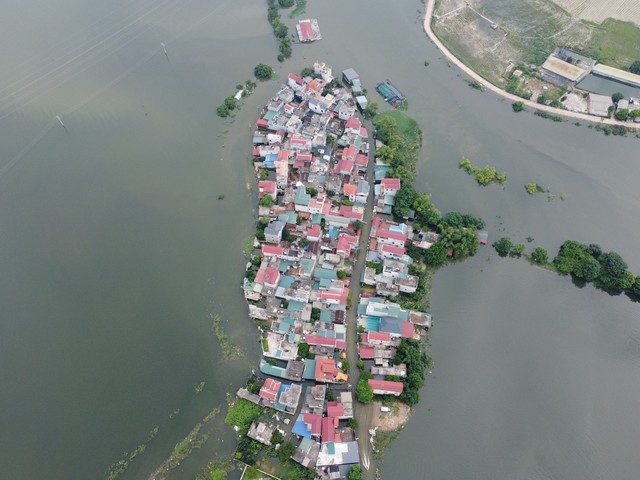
(362, 412)
(490, 86)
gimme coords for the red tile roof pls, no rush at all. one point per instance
(272, 250)
(350, 189)
(314, 422)
(306, 30)
(316, 340)
(270, 389)
(349, 152)
(393, 250)
(367, 352)
(392, 235)
(328, 430)
(385, 386)
(314, 231)
(353, 122)
(390, 183)
(347, 212)
(325, 369)
(283, 155)
(408, 330)
(335, 409)
(271, 276)
(296, 78)
(378, 337)
(361, 159)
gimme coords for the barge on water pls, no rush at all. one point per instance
(390, 93)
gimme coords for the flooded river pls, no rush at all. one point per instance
(115, 248)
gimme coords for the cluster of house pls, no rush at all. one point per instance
(313, 146)
(567, 67)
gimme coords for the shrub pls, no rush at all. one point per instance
(517, 106)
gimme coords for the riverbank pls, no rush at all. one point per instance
(427, 25)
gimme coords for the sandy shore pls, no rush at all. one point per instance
(490, 86)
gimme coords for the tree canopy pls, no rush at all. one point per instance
(364, 393)
(635, 67)
(263, 71)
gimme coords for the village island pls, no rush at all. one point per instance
(337, 280)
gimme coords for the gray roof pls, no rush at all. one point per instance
(350, 74)
(274, 228)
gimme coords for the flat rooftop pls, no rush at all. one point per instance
(617, 74)
(562, 68)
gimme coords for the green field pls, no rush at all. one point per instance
(615, 43)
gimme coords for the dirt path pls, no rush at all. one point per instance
(491, 87)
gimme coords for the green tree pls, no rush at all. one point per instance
(436, 255)
(517, 106)
(285, 47)
(286, 3)
(286, 451)
(281, 30)
(355, 473)
(518, 249)
(266, 201)
(263, 72)
(540, 256)
(503, 246)
(616, 97)
(230, 103)
(404, 200)
(364, 393)
(588, 269)
(385, 128)
(222, 111)
(371, 110)
(635, 67)
(463, 241)
(570, 256)
(426, 211)
(635, 288)
(277, 437)
(306, 72)
(622, 114)
(341, 274)
(385, 153)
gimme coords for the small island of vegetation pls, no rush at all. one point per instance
(484, 176)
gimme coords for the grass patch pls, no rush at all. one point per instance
(301, 5)
(615, 43)
(252, 473)
(248, 246)
(382, 441)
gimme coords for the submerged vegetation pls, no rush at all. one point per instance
(117, 468)
(484, 176)
(183, 449)
(230, 351)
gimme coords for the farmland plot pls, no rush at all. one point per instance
(599, 10)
